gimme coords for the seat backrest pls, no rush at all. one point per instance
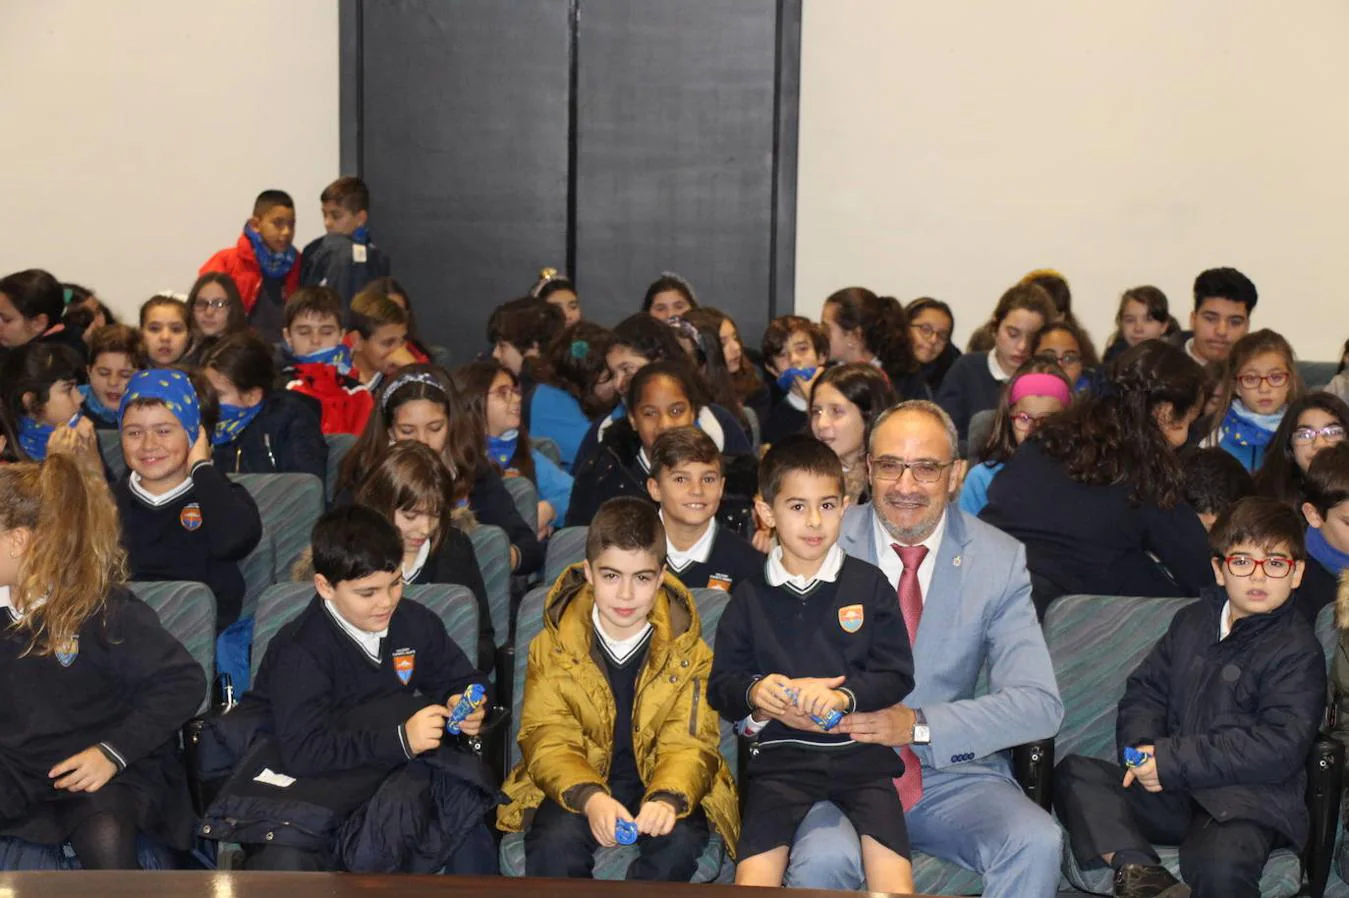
(1095, 643)
(110, 447)
(279, 605)
(526, 497)
(1316, 374)
(1327, 632)
(492, 548)
(457, 608)
(711, 603)
(565, 548)
(548, 448)
(755, 429)
(187, 610)
(441, 356)
(290, 505)
(339, 444)
(528, 624)
(981, 428)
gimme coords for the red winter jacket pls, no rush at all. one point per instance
(239, 263)
(346, 404)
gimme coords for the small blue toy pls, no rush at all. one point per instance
(827, 722)
(469, 702)
(1135, 758)
(625, 833)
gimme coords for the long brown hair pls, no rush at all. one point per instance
(1001, 445)
(474, 381)
(747, 381)
(462, 454)
(75, 552)
(574, 362)
(410, 477)
(1247, 348)
(1279, 476)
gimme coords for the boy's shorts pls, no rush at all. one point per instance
(785, 782)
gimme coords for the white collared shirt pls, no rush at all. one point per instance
(418, 563)
(134, 482)
(619, 649)
(1189, 350)
(778, 575)
(6, 601)
(698, 553)
(795, 401)
(995, 369)
(890, 563)
(368, 642)
(1225, 621)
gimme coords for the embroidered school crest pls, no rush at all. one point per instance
(190, 516)
(850, 618)
(404, 662)
(719, 581)
(68, 652)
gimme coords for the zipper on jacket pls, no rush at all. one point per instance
(238, 458)
(693, 712)
(267, 442)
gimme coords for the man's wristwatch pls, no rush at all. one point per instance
(921, 734)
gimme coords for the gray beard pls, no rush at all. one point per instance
(909, 536)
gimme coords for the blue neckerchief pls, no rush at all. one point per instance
(33, 436)
(1331, 558)
(1243, 427)
(233, 420)
(94, 406)
(361, 235)
(171, 387)
(339, 357)
(788, 378)
(273, 264)
(502, 449)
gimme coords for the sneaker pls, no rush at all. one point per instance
(1140, 881)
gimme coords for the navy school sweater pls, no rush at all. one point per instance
(732, 559)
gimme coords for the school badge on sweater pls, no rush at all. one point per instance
(68, 651)
(850, 618)
(404, 663)
(190, 517)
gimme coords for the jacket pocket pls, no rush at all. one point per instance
(693, 706)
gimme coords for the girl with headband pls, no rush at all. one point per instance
(1037, 390)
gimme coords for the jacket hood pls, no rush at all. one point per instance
(674, 615)
(1342, 602)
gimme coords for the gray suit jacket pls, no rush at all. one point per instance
(977, 614)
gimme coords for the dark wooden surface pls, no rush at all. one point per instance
(332, 885)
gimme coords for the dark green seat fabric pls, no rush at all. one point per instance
(110, 447)
(492, 548)
(187, 610)
(290, 505)
(526, 497)
(339, 444)
(565, 548)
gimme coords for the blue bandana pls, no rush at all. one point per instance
(502, 449)
(273, 264)
(95, 407)
(33, 436)
(787, 379)
(1331, 558)
(361, 235)
(1243, 427)
(171, 387)
(339, 357)
(233, 420)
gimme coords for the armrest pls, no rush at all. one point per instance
(1325, 781)
(1033, 767)
(490, 743)
(503, 674)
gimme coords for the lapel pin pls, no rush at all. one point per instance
(956, 561)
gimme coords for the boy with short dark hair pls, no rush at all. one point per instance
(1223, 711)
(795, 351)
(357, 690)
(614, 727)
(377, 328)
(817, 631)
(263, 262)
(1214, 479)
(318, 363)
(687, 480)
(1224, 299)
(345, 258)
(1326, 508)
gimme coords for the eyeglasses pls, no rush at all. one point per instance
(1276, 567)
(925, 471)
(1333, 433)
(1062, 358)
(1252, 380)
(928, 332)
(212, 303)
(506, 393)
(1025, 420)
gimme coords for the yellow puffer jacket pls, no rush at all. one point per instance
(567, 718)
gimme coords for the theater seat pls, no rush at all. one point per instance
(548, 449)
(187, 610)
(492, 548)
(339, 444)
(981, 428)
(565, 548)
(715, 864)
(110, 447)
(526, 497)
(290, 505)
(1095, 643)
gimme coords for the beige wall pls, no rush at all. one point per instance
(948, 147)
(136, 134)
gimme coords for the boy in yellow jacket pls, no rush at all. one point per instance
(615, 724)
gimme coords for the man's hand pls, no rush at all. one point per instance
(768, 696)
(656, 818)
(891, 726)
(87, 771)
(604, 812)
(819, 695)
(1146, 775)
(472, 724)
(426, 728)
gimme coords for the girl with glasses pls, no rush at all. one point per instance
(1310, 424)
(1262, 379)
(216, 312)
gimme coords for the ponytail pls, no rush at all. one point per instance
(74, 554)
(883, 326)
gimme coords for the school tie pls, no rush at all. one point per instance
(910, 785)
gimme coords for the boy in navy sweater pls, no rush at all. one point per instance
(818, 631)
(344, 258)
(1223, 711)
(687, 480)
(795, 351)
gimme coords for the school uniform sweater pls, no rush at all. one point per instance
(316, 669)
(968, 388)
(199, 531)
(126, 686)
(787, 418)
(846, 622)
(721, 559)
(622, 674)
(456, 563)
(286, 437)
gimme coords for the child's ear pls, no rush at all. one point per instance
(254, 221)
(29, 401)
(653, 489)
(253, 396)
(362, 217)
(285, 335)
(765, 512)
(1299, 568)
(1313, 516)
(323, 587)
(590, 577)
(1218, 572)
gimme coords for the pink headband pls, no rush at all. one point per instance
(1038, 384)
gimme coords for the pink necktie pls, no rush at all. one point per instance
(910, 785)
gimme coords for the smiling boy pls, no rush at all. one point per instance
(263, 262)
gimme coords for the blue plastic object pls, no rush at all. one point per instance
(625, 833)
(1135, 758)
(827, 722)
(468, 703)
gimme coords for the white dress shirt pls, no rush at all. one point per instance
(890, 563)
(368, 641)
(698, 553)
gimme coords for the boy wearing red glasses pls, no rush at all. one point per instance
(1223, 711)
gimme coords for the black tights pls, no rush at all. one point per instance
(106, 840)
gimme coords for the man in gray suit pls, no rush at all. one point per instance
(976, 610)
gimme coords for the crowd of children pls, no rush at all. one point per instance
(1183, 462)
